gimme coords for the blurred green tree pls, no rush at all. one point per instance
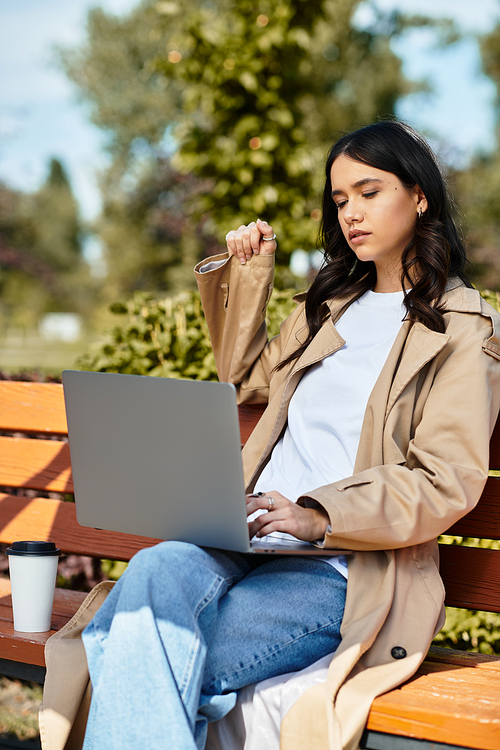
(244, 97)
(153, 240)
(478, 186)
(57, 220)
(41, 263)
(266, 88)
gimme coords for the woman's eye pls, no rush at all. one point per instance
(371, 194)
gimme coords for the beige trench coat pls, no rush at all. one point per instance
(421, 464)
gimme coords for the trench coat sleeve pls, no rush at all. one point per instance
(234, 298)
(446, 464)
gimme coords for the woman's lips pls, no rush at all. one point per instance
(357, 237)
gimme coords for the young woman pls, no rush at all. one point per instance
(378, 389)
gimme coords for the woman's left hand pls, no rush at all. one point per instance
(308, 524)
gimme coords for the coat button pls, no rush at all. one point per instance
(398, 652)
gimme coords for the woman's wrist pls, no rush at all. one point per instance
(322, 524)
(323, 527)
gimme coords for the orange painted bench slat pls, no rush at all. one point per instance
(35, 464)
(55, 521)
(435, 705)
(478, 587)
(39, 408)
(32, 407)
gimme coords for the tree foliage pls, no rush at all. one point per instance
(246, 96)
(478, 187)
(153, 239)
(167, 337)
(114, 74)
(41, 265)
(266, 87)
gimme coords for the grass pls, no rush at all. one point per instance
(23, 352)
(19, 703)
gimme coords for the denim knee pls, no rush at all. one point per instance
(164, 556)
(179, 564)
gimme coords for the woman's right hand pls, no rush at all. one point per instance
(249, 240)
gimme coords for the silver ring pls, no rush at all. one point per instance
(271, 503)
(269, 239)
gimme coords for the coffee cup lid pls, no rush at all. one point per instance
(34, 549)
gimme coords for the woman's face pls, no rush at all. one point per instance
(377, 214)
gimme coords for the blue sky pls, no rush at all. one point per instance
(460, 112)
(40, 116)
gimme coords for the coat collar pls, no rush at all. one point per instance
(416, 346)
(459, 298)
(416, 342)
(456, 298)
(327, 341)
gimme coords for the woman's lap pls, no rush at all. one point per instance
(281, 617)
(205, 623)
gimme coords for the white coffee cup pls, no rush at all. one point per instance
(33, 572)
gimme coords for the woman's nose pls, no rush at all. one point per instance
(353, 213)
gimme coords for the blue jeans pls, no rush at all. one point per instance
(184, 628)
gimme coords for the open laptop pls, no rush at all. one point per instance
(160, 457)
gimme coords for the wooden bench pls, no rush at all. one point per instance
(453, 700)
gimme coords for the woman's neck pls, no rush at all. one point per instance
(389, 280)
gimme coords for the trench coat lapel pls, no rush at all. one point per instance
(420, 347)
(414, 346)
(326, 342)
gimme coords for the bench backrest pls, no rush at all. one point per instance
(34, 457)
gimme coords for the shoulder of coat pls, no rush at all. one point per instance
(461, 299)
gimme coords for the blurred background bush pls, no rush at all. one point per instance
(167, 337)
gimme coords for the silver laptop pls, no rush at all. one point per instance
(160, 457)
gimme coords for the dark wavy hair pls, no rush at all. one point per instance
(434, 254)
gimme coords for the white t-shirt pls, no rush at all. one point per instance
(326, 411)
